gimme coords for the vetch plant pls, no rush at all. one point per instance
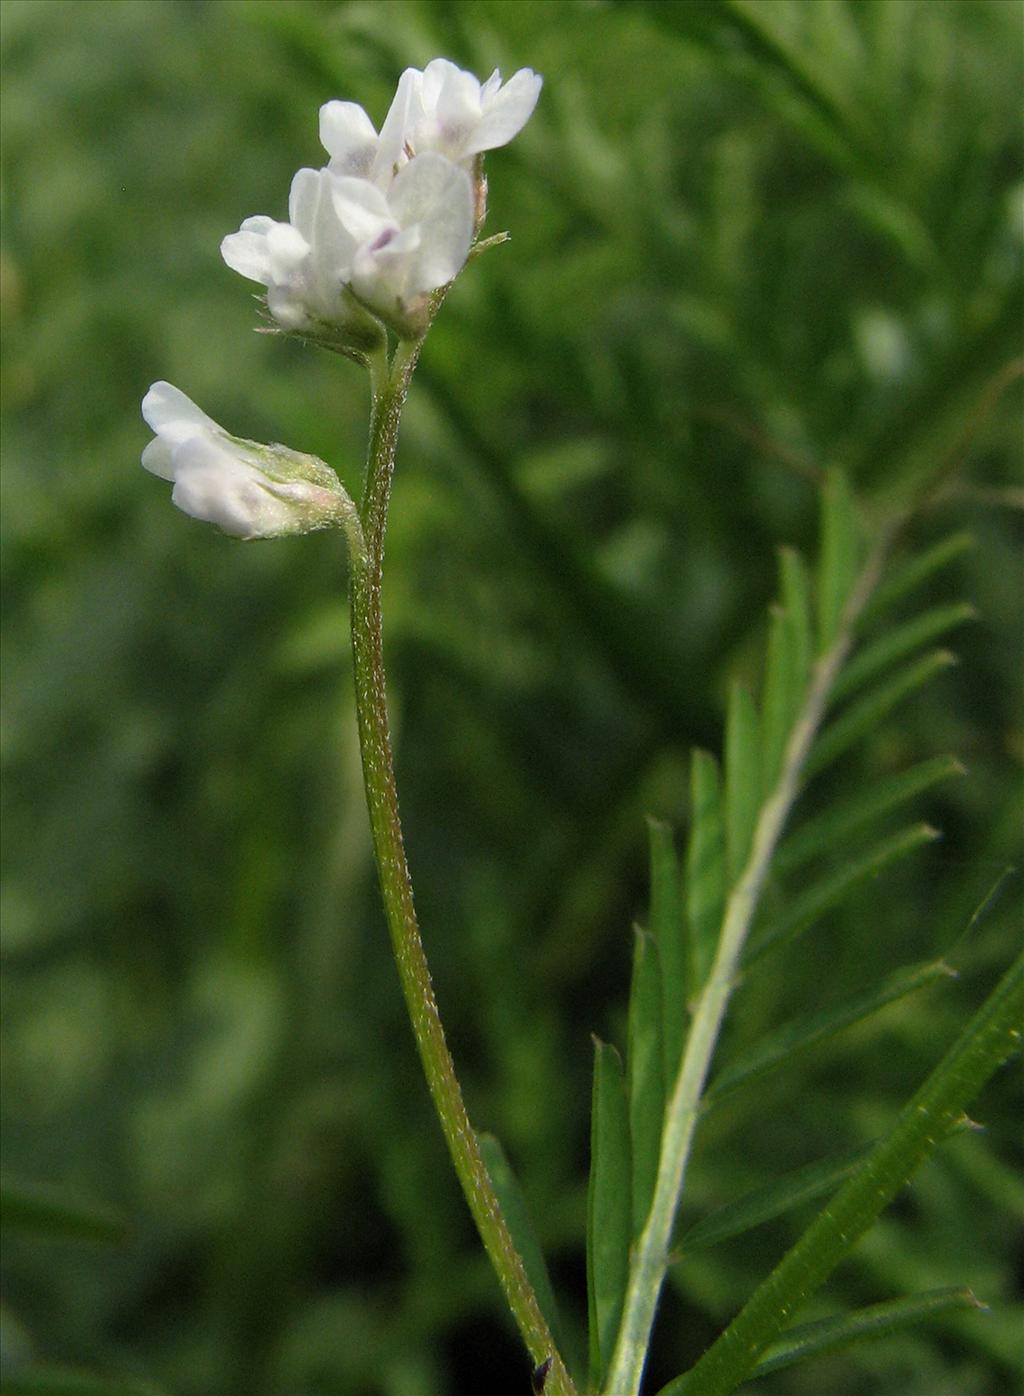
(372, 243)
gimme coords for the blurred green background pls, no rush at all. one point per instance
(748, 240)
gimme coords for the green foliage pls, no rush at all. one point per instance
(992, 1035)
(705, 867)
(648, 1071)
(610, 1194)
(777, 1048)
(513, 1205)
(829, 1335)
(748, 241)
(769, 750)
(48, 1212)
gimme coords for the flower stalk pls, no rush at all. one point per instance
(371, 245)
(389, 386)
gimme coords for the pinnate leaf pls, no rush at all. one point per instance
(834, 826)
(905, 579)
(897, 643)
(778, 1047)
(805, 909)
(861, 717)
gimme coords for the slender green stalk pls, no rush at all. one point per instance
(389, 386)
(651, 1253)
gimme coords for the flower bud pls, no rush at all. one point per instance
(247, 489)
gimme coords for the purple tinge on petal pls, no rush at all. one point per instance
(382, 239)
(348, 136)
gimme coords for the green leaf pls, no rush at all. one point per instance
(773, 1199)
(862, 716)
(64, 1381)
(646, 1077)
(989, 1039)
(513, 1204)
(796, 601)
(897, 643)
(831, 1334)
(812, 904)
(780, 693)
(834, 826)
(788, 663)
(786, 72)
(609, 1204)
(742, 778)
(904, 580)
(705, 868)
(804, 1032)
(52, 1212)
(669, 934)
(781, 1195)
(840, 554)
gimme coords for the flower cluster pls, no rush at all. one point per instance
(387, 222)
(391, 217)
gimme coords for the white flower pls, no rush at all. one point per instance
(303, 263)
(344, 231)
(409, 242)
(443, 109)
(246, 489)
(448, 110)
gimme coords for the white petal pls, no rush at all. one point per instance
(437, 72)
(302, 201)
(506, 112)
(348, 136)
(394, 132)
(491, 86)
(216, 486)
(287, 249)
(458, 102)
(381, 275)
(287, 309)
(333, 249)
(173, 415)
(158, 457)
(246, 252)
(438, 196)
(362, 208)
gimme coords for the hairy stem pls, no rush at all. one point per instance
(389, 386)
(651, 1253)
